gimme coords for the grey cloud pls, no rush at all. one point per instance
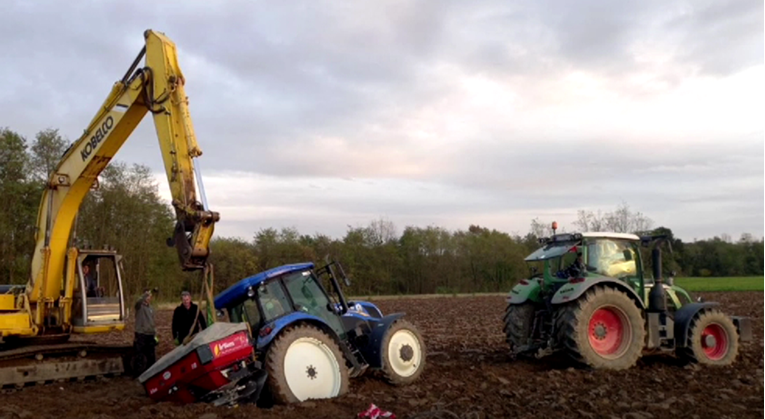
(269, 81)
(321, 68)
(719, 36)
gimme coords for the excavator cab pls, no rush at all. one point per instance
(97, 299)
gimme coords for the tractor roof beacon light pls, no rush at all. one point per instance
(554, 226)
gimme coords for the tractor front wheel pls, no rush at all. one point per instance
(403, 353)
(305, 363)
(603, 329)
(712, 339)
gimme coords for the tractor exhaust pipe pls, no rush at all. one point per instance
(660, 323)
(656, 259)
(657, 300)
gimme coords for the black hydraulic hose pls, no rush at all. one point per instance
(134, 65)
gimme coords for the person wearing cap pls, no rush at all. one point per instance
(187, 320)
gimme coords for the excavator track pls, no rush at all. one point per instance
(42, 364)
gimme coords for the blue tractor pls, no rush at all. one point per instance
(311, 342)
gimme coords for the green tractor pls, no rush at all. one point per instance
(593, 301)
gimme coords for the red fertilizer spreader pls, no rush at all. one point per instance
(217, 366)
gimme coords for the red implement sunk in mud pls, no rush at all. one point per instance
(218, 366)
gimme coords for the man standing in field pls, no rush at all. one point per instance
(145, 333)
(187, 320)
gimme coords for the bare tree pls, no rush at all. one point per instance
(589, 221)
(621, 220)
(381, 232)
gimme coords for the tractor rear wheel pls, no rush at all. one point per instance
(603, 329)
(403, 353)
(305, 363)
(712, 339)
(518, 321)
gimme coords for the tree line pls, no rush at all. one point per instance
(126, 212)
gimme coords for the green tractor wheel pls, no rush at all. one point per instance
(712, 339)
(603, 329)
(518, 321)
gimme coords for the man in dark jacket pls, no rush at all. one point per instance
(185, 317)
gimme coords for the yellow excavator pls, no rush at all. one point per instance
(76, 290)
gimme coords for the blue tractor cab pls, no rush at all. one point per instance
(311, 341)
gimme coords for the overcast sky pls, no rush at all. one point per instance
(320, 115)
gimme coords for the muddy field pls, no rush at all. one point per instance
(468, 375)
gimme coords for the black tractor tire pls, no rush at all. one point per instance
(519, 318)
(409, 356)
(603, 329)
(276, 365)
(712, 339)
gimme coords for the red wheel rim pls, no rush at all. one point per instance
(608, 331)
(714, 341)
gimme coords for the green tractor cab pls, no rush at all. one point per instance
(589, 296)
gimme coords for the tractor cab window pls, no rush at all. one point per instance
(555, 256)
(247, 311)
(612, 258)
(567, 259)
(273, 300)
(309, 297)
(251, 313)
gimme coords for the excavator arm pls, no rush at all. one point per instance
(156, 88)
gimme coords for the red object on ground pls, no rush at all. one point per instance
(375, 412)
